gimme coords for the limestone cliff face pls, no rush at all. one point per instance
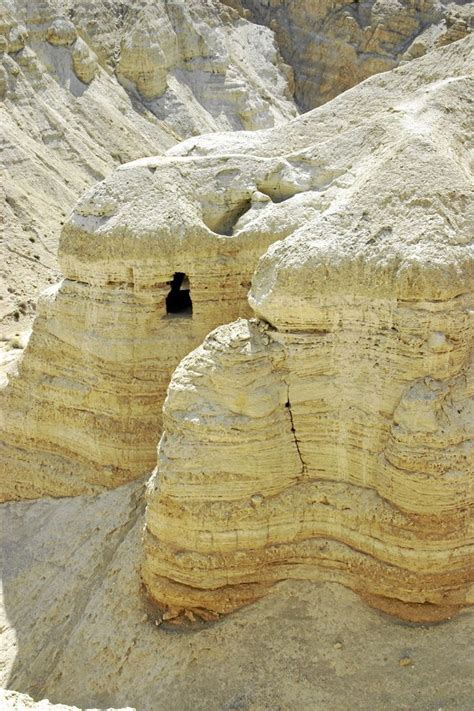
(154, 258)
(86, 86)
(75, 630)
(331, 438)
(333, 45)
(230, 67)
(163, 251)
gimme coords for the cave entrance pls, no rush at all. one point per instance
(178, 301)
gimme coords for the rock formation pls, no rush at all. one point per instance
(163, 250)
(331, 46)
(154, 257)
(322, 435)
(86, 86)
(331, 438)
(74, 630)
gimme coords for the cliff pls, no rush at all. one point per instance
(331, 438)
(86, 86)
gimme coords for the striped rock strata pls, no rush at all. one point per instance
(86, 85)
(153, 259)
(164, 249)
(330, 438)
(332, 45)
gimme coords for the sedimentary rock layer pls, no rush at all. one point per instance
(75, 630)
(331, 46)
(86, 86)
(154, 258)
(85, 411)
(331, 438)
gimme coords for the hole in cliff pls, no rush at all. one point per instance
(280, 187)
(277, 193)
(178, 301)
(223, 220)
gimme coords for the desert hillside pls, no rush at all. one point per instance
(77, 632)
(236, 427)
(86, 86)
(331, 46)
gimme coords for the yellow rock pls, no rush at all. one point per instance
(346, 406)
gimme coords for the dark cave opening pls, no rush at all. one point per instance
(178, 301)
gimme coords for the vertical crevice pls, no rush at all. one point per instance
(297, 444)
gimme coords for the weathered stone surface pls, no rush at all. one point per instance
(332, 45)
(173, 53)
(75, 630)
(72, 109)
(84, 61)
(104, 347)
(3, 82)
(327, 439)
(105, 340)
(147, 53)
(61, 32)
(145, 74)
(332, 437)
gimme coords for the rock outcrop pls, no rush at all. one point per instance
(315, 449)
(154, 257)
(331, 46)
(331, 438)
(74, 630)
(92, 85)
(87, 85)
(163, 251)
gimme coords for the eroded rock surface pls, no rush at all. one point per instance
(74, 630)
(154, 258)
(332, 437)
(333, 45)
(325, 440)
(85, 411)
(14, 701)
(86, 86)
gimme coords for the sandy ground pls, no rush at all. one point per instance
(75, 631)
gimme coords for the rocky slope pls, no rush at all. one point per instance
(75, 631)
(85, 411)
(332, 438)
(324, 441)
(333, 45)
(86, 86)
